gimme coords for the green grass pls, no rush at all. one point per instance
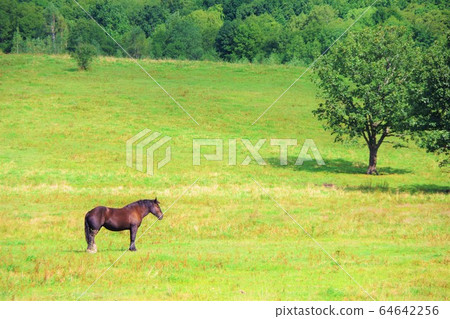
(62, 152)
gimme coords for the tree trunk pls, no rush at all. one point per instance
(373, 160)
(53, 33)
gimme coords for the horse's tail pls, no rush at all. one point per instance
(86, 229)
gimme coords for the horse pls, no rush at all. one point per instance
(128, 217)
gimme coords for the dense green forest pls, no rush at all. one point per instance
(264, 31)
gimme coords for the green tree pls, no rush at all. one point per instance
(181, 6)
(430, 99)
(224, 42)
(209, 22)
(27, 16)
(84, 54)
(135, 42)
(257, 35)
(365, 80)
(17, 42)
(56, 28)
(427, 22)
(8, 25)
(281, 10)
(318, 29)
(158, 41)
(112, 16)
(149, 17)
(30, 20)
(180, 38)
(86, 31)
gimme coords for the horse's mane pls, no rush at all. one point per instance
(141, 202)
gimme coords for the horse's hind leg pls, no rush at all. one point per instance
(90, 237)
(92, 247)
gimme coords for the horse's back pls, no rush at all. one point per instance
(124, 215)
(96, 210)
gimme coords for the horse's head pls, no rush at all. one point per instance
(155, 209)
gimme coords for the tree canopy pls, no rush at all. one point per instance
(430, 100)
(284, 31)
(366, 84)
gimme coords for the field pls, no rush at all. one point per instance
(62, 152)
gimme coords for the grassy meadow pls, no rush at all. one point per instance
(62, 152)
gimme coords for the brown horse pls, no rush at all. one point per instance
(116, 219)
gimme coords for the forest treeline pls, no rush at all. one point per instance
(262, 31)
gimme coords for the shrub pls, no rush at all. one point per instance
(84, 54)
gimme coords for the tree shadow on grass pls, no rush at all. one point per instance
(341, 166)
(337, 166)
(412, 189)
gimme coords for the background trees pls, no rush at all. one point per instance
(179, 38)
(209, 22)
(256, 37)
(281, 31)
(86, 31)
(135, 42)
(148, 17)
(56, 28)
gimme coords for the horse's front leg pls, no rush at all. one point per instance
(133, 232)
